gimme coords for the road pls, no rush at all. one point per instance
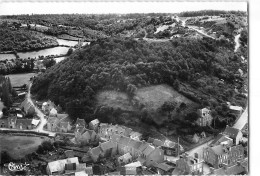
(43, 121)
(237, 42)
(201, 32)
(243, 119)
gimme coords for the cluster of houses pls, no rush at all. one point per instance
(18, 121)
(225, 155)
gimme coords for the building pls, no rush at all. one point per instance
(195, 139)
(234, 134)
(53, 112)
(108, 148)
(205, 118)
(151, 155)
(125, 159)
(24, 124)
(95, 153)
(188, 165)
(135, 135)
(240, 168)
(84, 136)
(171, 148)
(12, 122)
(163, 168)
(222, 154)
(58, 167)
(80, 123)
(134, 168)
(27, 107)
(4, 123)
(48, 106)
(93, 125)
(107, 130)
(61, 123)
(222, 139)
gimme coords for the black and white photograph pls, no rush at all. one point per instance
(124, 88)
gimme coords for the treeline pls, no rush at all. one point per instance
(6, 91)
(127, 64)
(23, 40)
(16, 66)
(211, 13)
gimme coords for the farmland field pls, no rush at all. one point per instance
(20, 79)
(19, 146)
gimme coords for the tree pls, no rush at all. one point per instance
(47, 146)
(192, 117)
(49, 62)
(5, 157)
(70, 51)
(167, 107)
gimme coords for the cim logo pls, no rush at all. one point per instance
(17, 167)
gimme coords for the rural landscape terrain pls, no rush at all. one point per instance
(128, 94)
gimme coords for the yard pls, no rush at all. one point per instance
(20, 79)
(19, 146)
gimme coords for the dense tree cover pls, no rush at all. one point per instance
(127, 64)
(210, 13)
(24, 40)
(16, 66)
(6, 91)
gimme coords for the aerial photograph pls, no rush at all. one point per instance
(124, 88)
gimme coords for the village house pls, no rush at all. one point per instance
(188, 165)
(58, 167)
(222, 139)
(53, 112)
(240, 168)
(125, 159)
(134, 168)
(27, 107)
(24, 124)
(84, 136)
(170, 148)
(163, 168)
(205, 118)
(195, 138)
(95, 153)
(234, 134)
(12, 122)
(108, 148)
(135, 135)
(61, 123)
(107, 130)
(93, 125)
(80, 123)
(4, 123)
(222, 154)
(48, 106)
(151, 155)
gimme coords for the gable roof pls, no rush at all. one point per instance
(94, 122)
(157, 142)
(134, 144)
(219, 139)
(148, 150)
(218, 150)
(134, 164)
(125, 156)
(170, 144)
(124, 140)
(59, 165)
(150, 140)
(164, 167)
(107, 145)
(96, 150)
(143, 146)
(80, 122)
(115, 137)
(231, 132)
(24, 122)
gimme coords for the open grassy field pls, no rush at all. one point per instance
(114, 99)
(19, 146)
(20, 79)
(153, 97)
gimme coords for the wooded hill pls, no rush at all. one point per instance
(205, 71)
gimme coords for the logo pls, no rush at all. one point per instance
(17, 167)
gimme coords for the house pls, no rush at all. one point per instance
(69, 153)
(203, 134)
(12, 122)
(157, 143)
(3, 123)
(72, 168)
(35, 122)
(85, 136)
(48, 106)
(58, 167)
(163, 168)
(188, 165)
(171, 148)
(151, 155)
(28, 107)
(125, 159)
(135, 135)
(24, 124)
(234, 134)
(53, 112)
(108, 148)
(95, 153)
(205, 119)
(61, 123)
(80, 123)
(93, 125)
(222, 139)
(134, 168)
(240, 168)
(237, 110)
(195, 139)
(107, 130)
(222, 154)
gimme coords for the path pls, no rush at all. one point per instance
(242, 120)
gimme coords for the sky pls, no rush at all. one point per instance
(15, 8)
